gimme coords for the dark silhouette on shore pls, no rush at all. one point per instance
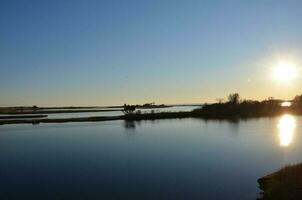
(128, 109)
(284, 184)
(235, 107)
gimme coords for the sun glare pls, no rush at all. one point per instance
(286, 126)
(286, 104)
(285, 71)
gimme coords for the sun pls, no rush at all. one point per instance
(284, 71)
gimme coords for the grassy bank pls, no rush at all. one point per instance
(285, 184)
(60, 120)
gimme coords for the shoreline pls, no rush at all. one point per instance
(136, 117)
(231, 110)
(59, 120)
(21, 116)
(57, 111)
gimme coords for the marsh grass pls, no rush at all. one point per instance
(285, 184)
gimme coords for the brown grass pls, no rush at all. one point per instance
(285, 184)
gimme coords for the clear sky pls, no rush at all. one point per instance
(94, 52)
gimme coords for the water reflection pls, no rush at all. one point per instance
(130, 125)
(286, 126)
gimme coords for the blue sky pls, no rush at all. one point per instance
(111, 52)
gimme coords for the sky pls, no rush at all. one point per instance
(110, 52)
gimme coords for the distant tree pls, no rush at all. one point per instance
(128, 109)
(271, 101)
(234, 98)
(148, 104)
(297, 100)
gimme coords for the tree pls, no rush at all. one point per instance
(129, 109)
(297, 100)
(234, 98)
(35, 107)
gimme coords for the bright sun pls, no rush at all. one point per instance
(285, 71)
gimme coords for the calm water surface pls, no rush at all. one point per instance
(165, 159)
(116, 112)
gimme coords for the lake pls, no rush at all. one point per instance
(163, 159)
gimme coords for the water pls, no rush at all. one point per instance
(164, 159)
(84, 114)
(116, 112)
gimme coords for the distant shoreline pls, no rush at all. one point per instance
(133, 117)
(22, 116)
(55, 111)
(59, 120)
(24, 110)
(234, 108)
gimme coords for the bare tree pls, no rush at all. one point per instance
(234, 98)
(297, 100)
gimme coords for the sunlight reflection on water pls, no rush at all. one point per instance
(286, 126)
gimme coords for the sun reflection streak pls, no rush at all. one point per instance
(286, 126)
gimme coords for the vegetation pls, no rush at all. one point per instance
(148, 106)
(234, 98)
(128, 109)
(285, 184)
(235, 107)
(151, 105)
(296, 106)
(152, 116)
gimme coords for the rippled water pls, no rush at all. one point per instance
(164, 159)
